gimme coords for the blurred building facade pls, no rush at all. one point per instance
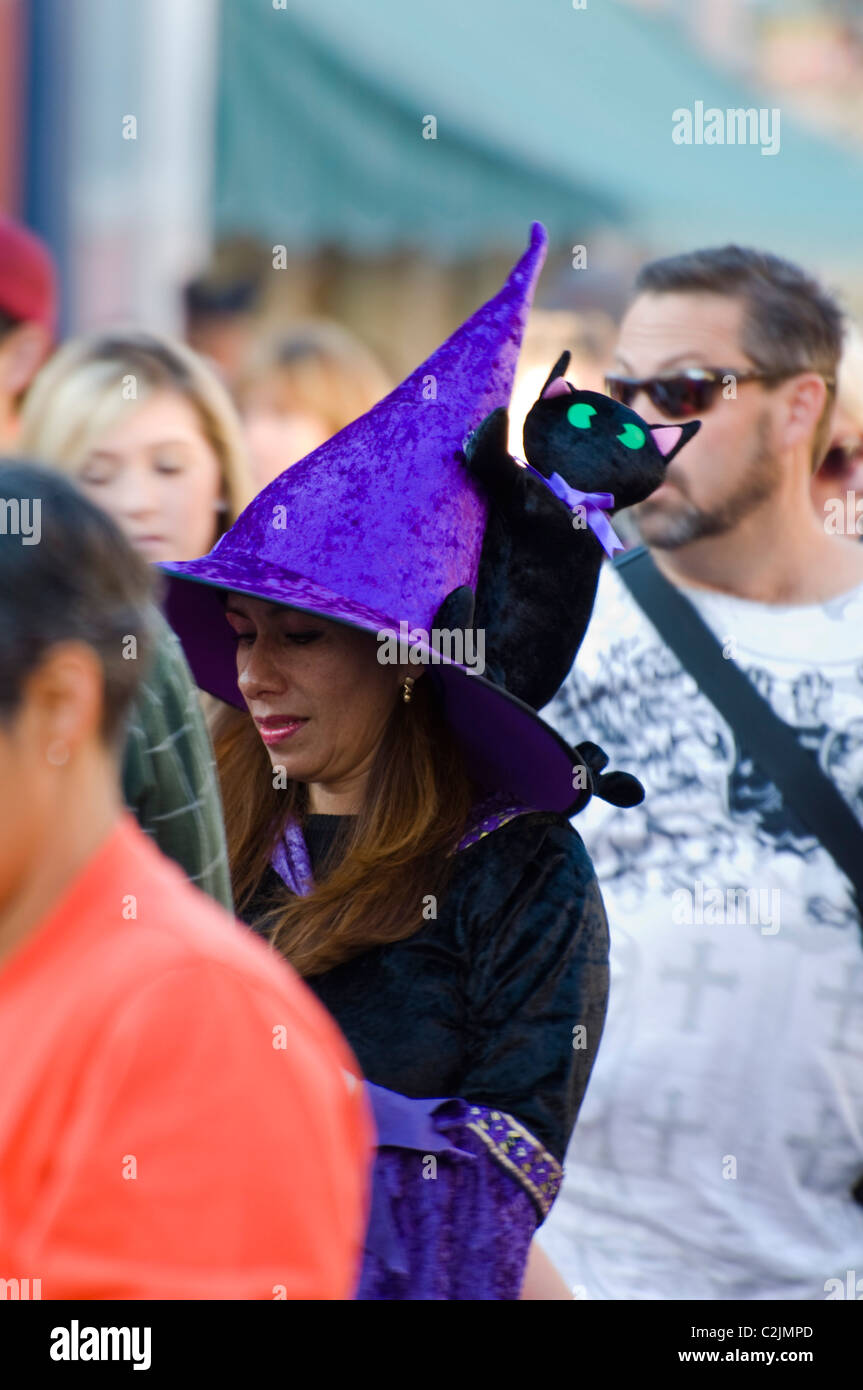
(384, 172)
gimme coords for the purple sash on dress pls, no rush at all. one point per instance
(446, 1223)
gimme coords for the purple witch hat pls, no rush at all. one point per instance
(375, 529)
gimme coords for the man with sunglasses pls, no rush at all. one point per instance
(722, 1132)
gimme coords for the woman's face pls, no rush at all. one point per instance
(156, 474)
(317, 694)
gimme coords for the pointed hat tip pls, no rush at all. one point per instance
(532, 259)
(538, 236)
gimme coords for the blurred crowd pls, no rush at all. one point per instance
(213, 419)
(172, 439)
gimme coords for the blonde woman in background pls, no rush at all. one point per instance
(841, 470)
(147, 431)
(301, 386)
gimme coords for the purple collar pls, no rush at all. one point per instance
(290, 856)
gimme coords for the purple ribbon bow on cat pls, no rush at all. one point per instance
(595, 505)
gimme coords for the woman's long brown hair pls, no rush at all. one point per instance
(396, 856)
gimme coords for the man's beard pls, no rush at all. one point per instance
(668, 530)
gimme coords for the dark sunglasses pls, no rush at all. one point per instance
(685, 393)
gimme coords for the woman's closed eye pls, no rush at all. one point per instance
(168, 463)
(97, 470)
(242, 634)
(246, 636)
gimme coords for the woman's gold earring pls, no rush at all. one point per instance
(407, 688)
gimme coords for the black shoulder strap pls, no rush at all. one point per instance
(768, 739)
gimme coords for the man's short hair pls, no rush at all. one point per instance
(80, 581)
(791, 323)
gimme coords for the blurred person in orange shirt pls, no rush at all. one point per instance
(179, 1116)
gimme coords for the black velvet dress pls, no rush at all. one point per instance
(501, 999)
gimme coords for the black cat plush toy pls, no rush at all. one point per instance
(547, 530)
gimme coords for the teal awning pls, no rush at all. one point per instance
(542, 110)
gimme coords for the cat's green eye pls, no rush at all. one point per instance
(631, 436)
(579, 415)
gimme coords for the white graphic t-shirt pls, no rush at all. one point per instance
(722, 1129)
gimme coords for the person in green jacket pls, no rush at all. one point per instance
(169, 772)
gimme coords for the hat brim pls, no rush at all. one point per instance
(508, 747)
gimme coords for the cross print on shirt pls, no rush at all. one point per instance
(830, 1133)
(848, 1002)
(667, 1126)
(593, 1144)
(700, 977)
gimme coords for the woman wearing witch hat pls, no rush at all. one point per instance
(400, 832)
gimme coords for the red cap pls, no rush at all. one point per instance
(28, 278)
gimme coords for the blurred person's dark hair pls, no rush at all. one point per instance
(207, 298)
(220, 317)
(81, 582)
(791, 323)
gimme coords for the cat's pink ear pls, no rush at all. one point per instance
(558, 387)
(665, 437)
